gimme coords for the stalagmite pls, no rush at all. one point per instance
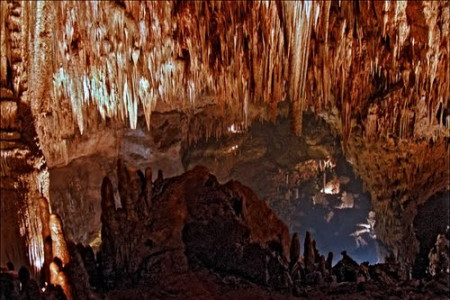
(329, 262)
(160, 178)
(44, 212)
(322, 265)
(59, 246)
(123, 180)
(309, 253)
(136, 205)
(295, 248)
(58, 277)
(108, 204)
(110, 227)
(148, 187)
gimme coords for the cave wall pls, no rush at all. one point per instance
(23, 171)
(75, 187)
(432, 219)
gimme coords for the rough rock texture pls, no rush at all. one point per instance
(192, 221)
(316, 54)
(223, 237)
(400, 174)
(268, 158)
(73, 71)
(23, 171)
(198, 239)
(74, 187)
(432, 219)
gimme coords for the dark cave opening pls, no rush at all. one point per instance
(432, 219)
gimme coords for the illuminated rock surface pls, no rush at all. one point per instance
(84, 83)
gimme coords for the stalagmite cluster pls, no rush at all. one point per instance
(56, 253)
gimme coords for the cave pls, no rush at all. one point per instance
(224, 149)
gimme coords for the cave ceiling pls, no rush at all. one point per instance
(383, 65)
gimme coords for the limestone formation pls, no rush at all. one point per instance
(59, 245)
(44, 211)
(309, 253)
(93, 80)
(329, 262)
(200, 241)
(58, 277)
(295, 248)
(160, 177)
(123, 180)
(110, 227)
(148, 187)
(439, 262)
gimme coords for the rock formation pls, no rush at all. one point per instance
(204, 240)
(59, 246)
(74, 76)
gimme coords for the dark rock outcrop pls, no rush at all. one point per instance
(194, 224)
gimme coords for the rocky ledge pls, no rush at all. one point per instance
(189, 237)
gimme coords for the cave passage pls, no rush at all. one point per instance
(306, 180)
(224, 149)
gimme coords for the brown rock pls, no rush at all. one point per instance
(59, 246)
(148, 187)
(44, 212)
(295, 248)
(309, 253)
(8, 115)
(329, 262)
(9, 135)
(195, 224)
(58, 277)
(123, 181)
(322, 266)
(6, 94)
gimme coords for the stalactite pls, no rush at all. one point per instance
(301, 24)
(151, 53)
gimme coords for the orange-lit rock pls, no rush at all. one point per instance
(57, 277)
(59, 245)
(46, 236)
(74, 75)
